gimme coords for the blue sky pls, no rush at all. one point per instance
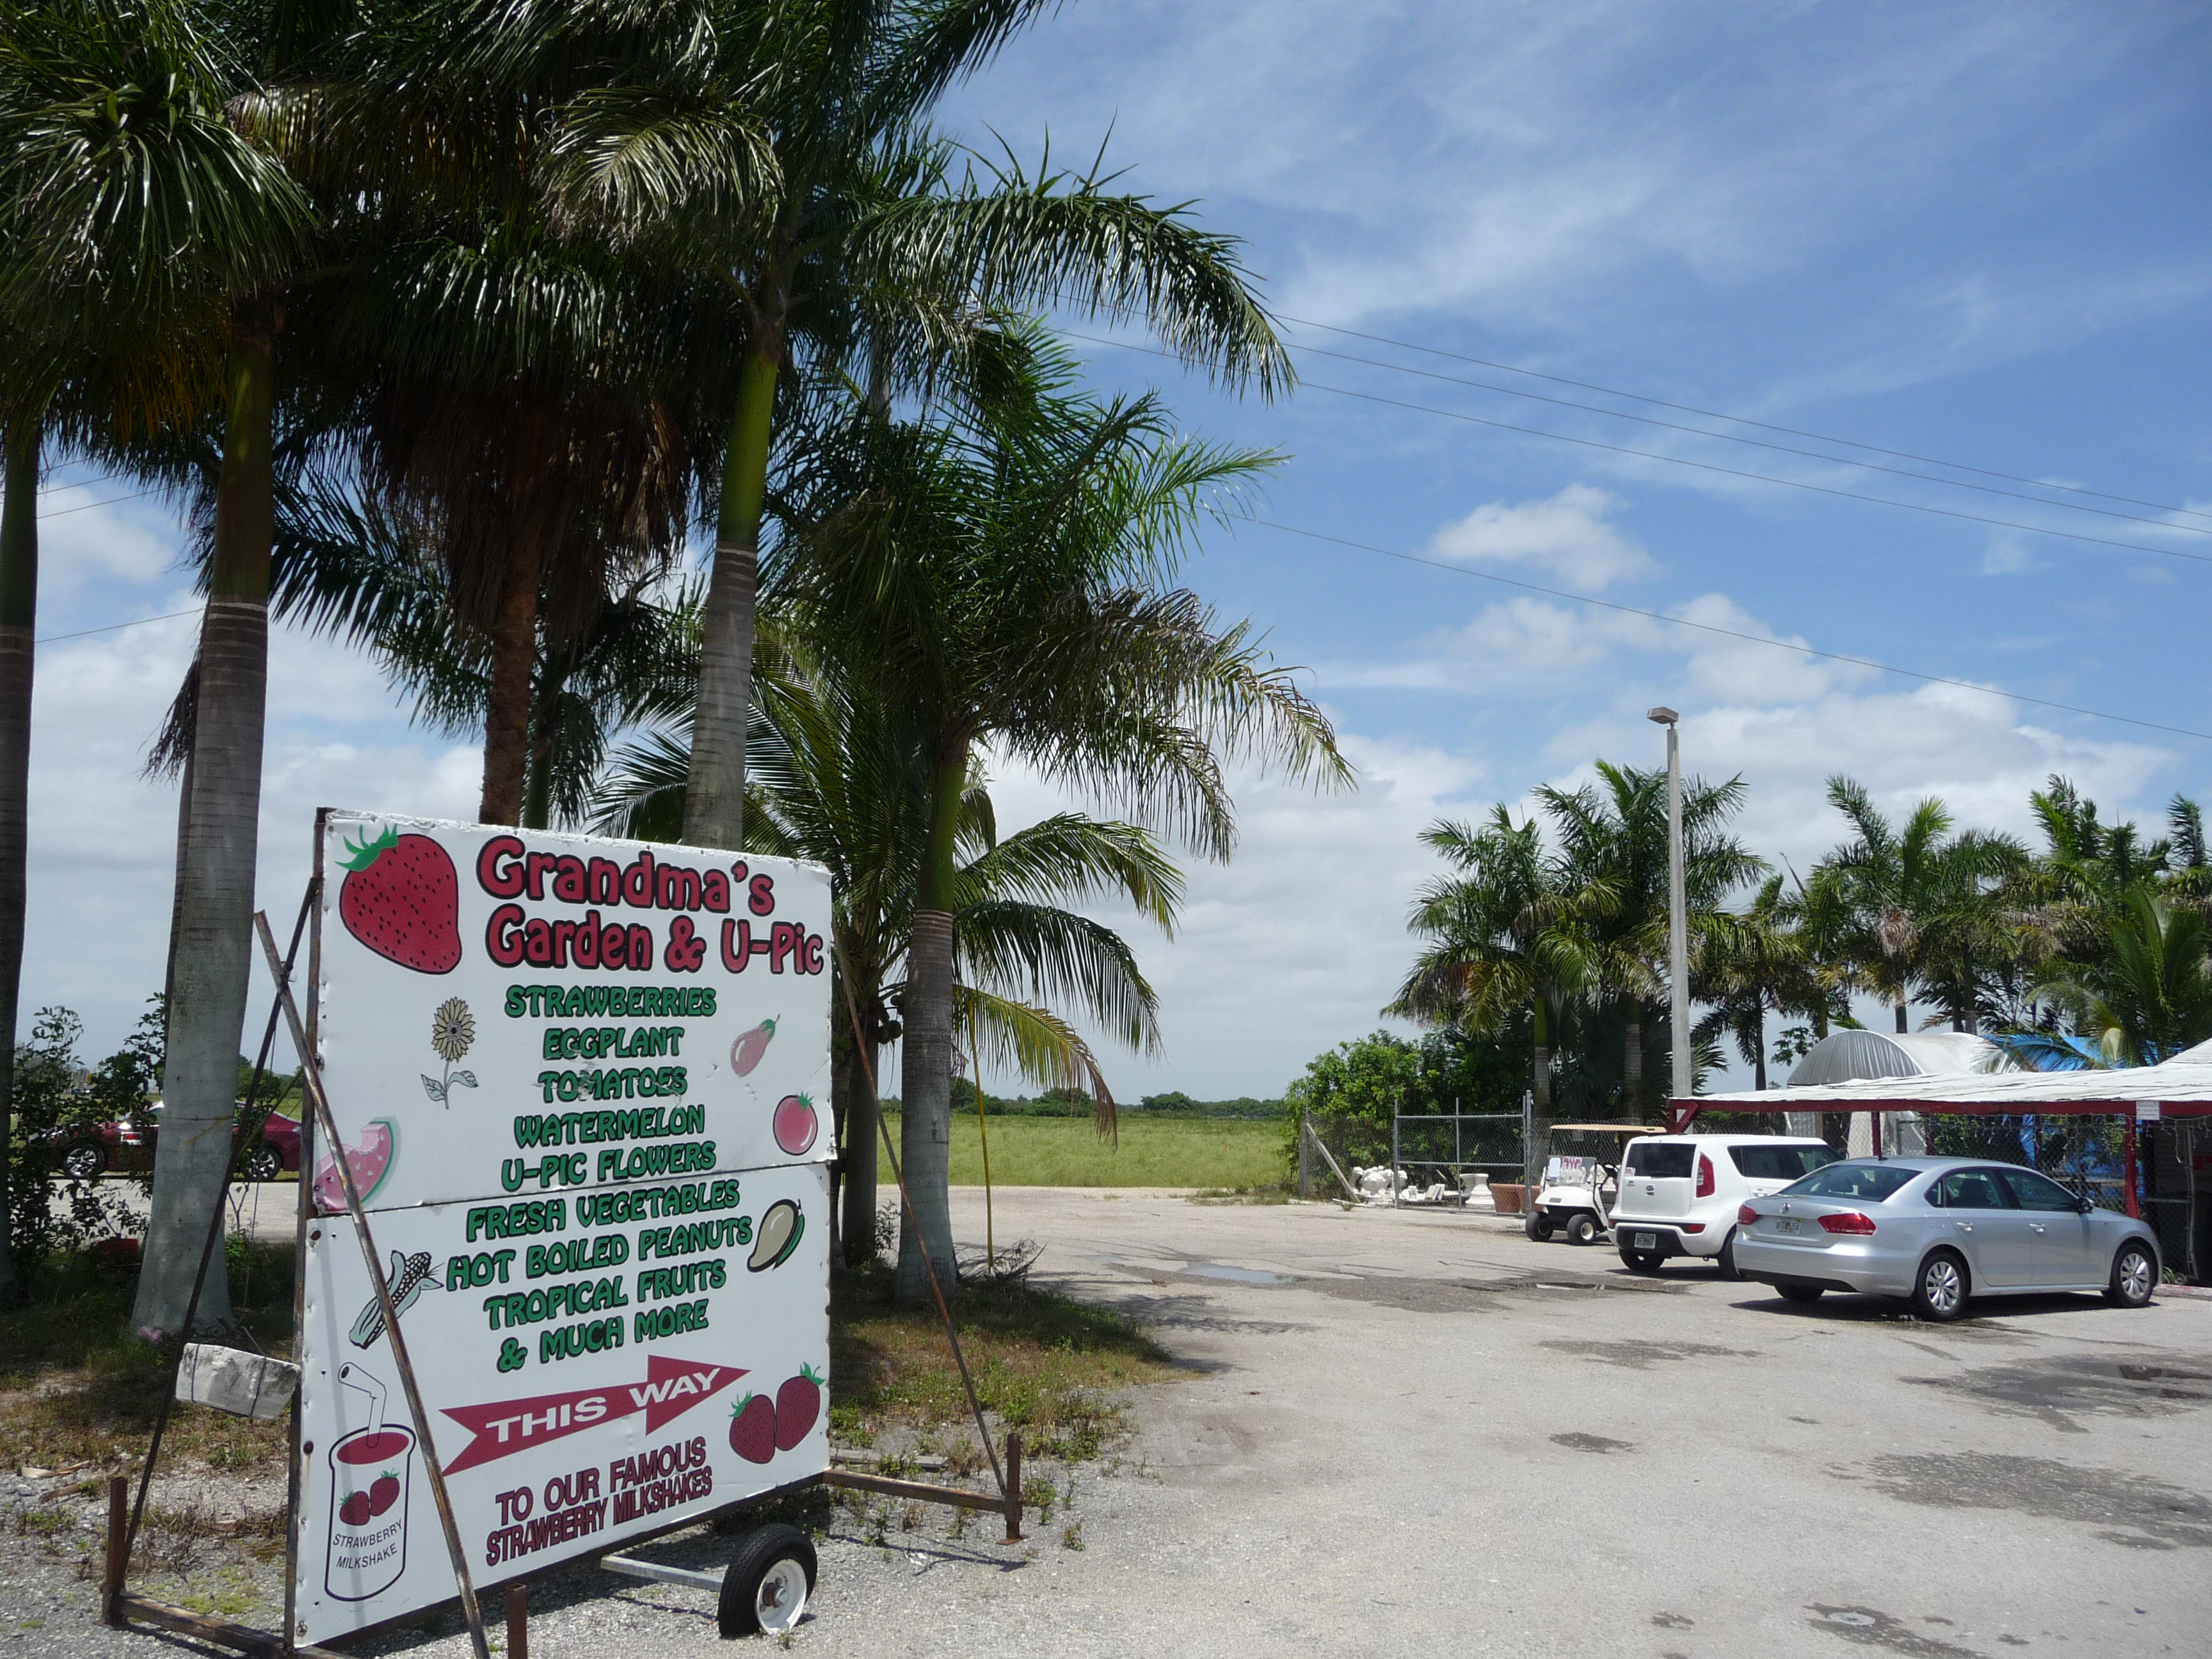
(1978, 233)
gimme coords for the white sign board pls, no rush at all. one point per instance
(2147, 1111)
(583, 1087)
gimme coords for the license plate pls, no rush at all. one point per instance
(1786, 1226)
(1647, 1240)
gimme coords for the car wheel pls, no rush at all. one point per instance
(1726, 1257)
(1581, 1229)
(1941, 1291)
(1538, 1226)
(1641, 1261)
(2135, 1275)
(768, 1583)
(1802, 1292)
(82, 1161)
(263, 1162)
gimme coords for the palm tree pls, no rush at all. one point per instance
(1006, 566)
(838, 777)
(1751, 961)
(2151, 995)
(1505, 935)
(133, 195)
(1920, 898)
(1616, 836)
(780, 147)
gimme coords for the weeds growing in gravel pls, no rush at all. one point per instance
(77, 1386)
(1042, 1363)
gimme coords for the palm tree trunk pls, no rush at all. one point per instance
(514, 669)
(207, 1007)
(714, 796)
(538, 792)
(926, 1070)
(1759, 1050)
(1540, 1079)
(19, 615)
(1902, 1028)
(1632, 1056)
(852, 1079)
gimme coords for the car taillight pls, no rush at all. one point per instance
(1746, 1215)
(1704, 1177)
(1850, 1221)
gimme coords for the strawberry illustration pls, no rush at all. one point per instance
(752, 1429)
(383, 1492)
(356, 1510)
(401, 899)
(797, 1403)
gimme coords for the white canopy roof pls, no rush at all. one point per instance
(2184, 1081)
(1842, 1056)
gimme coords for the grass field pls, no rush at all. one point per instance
(1068, 1152)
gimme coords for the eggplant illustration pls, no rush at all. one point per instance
(782, 1226)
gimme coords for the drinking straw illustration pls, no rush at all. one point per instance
(369, 1386)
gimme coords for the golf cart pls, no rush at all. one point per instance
(1580, 1181)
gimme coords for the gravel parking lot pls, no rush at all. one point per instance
(1406, 1430)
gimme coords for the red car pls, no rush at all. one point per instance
(127, 1144)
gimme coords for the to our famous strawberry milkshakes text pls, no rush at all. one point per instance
(508, 871)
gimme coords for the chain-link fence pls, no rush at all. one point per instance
(1428, 1148)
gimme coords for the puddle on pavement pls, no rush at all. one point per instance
(2126, 1509)
(1236, 1275)
(1217, 1272)
(1639, 1356)
(1591, 1443)
(1871, 1627)
(2082, 1385)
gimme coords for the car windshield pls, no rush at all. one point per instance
(1779, 1163)
(1865, 1183)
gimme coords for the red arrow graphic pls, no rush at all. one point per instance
(671, 1387)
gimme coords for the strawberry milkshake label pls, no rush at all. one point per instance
(582, 1093)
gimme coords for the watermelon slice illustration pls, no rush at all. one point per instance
(370, 1159)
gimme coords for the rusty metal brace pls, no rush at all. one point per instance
(1010, 1494)
(311, 1076)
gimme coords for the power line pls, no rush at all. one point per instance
(1755, 443)
(1727, 633)
(1702, 466)
(77, 484)
(83, 633)
(63, 512)
(1744, 420)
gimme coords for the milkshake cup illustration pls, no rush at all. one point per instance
(371, 1470)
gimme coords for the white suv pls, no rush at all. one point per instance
(1679, 1194)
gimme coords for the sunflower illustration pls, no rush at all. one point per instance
(452, 1030)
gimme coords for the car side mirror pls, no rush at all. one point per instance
(2087, 1205)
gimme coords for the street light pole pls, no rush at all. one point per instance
(1678, 920)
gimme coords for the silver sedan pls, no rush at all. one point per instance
(1939, 1230)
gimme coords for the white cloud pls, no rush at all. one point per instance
(102, 839)
(2008, 556)
(1565, 535)
(1299, 942)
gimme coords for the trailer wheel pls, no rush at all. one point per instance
(769, 1581)
(1581, 1229)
